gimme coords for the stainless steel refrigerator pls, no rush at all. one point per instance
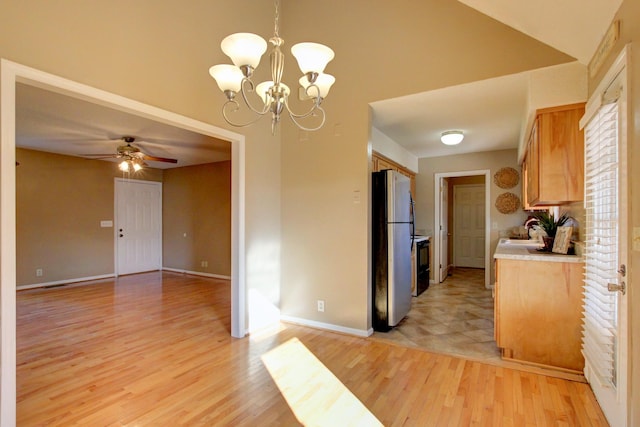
(392, 241)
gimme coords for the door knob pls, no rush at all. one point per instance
(622, 287)
(121, 235)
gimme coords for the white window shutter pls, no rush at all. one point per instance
(601, 252)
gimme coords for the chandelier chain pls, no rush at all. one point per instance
(277, 19)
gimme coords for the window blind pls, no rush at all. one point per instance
(601, 244)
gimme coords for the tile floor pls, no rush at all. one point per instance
(453, 317)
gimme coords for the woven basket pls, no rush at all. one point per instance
(506, 178)
(507, 203)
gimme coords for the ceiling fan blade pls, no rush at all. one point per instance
(158, 159)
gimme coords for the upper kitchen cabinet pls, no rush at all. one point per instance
(381, 163)
(553, 167)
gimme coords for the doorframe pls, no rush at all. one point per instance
(487, 230)
(443, 270)
(11, 74)
(622, 395)
(116, 217)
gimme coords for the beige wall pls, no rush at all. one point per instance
(60, 201)
(492, 160)
(629, 14)
(196, 214)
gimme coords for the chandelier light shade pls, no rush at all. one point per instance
(245, 51)
(265, 91)
(452, 137)
(323, 84)
(228, 77)
(312, 57)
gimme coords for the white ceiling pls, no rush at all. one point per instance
(491, 112)
(56, 123)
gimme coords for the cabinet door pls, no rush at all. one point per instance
(563, 156)
(383, 164)
(496, 304)
(556, 169)
(533, 167)
(539, 307)
(526, 200)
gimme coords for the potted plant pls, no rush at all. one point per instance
(548, 223)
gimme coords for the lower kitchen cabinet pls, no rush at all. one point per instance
(538, 316)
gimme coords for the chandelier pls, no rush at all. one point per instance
(245, 51)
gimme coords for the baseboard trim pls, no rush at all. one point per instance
(197, 273)
(64, 282)
(326, 326)
(112, 275)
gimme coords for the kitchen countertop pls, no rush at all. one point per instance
(421, 238)
(526, 250)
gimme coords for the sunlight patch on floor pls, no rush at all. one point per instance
(314, 394)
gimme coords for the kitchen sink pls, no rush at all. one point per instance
(521, 242)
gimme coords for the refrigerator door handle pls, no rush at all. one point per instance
(412, 220)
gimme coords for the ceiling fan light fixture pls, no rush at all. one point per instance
(136, 167)
(124, 166)
(452, 137)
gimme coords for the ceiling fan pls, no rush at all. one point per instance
(132, 157)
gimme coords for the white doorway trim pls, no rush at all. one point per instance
(12, 73)
(487, 197)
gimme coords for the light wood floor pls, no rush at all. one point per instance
(155, 349)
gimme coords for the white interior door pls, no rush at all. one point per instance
(138, 226)
(605, 339)
(444, 229)
(469, 225)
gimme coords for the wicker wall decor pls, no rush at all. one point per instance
(507, 203)
(506, 178)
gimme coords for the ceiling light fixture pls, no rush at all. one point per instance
(130, 164)
(452, 137)
(245, 51)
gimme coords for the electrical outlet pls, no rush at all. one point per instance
(204, 263)
(321, 305)
(38, 272)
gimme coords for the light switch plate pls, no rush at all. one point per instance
(106, 224)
